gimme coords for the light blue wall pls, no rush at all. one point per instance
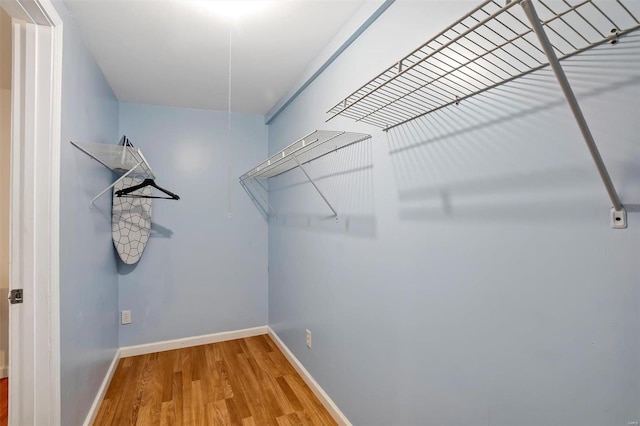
(201, 272)
(473, 277)
(88, 275)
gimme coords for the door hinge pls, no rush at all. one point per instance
(15, 296)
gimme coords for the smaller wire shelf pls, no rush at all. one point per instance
(118, 158)
(315, 145)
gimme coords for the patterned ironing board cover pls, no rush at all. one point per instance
(131, 221)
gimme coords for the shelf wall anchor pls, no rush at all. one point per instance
(615, 36)
(619, 214)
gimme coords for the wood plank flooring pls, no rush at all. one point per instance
(4, 402)
(245, 382)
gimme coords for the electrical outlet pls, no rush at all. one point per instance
(126, 317)
(308, 338)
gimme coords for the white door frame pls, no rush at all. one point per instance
(34, 326)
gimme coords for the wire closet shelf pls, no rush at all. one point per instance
(117, 158)
(314, 145)
(124, 160)
(491, 45)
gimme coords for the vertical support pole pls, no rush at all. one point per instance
(532, 15)
(315, 186)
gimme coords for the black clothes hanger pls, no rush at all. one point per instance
(126, 192)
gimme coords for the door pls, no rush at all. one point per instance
(34, 394)
(5, 163)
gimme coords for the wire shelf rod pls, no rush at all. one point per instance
(445, 75)
(564, 21)
(478, 45)
(469, 61)
(478, 25)
(586, 20)
(628, 11)
(604, 14)
(500, 58)
(463, 98)
(462, 65)
(508, 28)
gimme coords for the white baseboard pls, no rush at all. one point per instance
(186, 342)
(328, 403)
(95, 407)
(4, 372)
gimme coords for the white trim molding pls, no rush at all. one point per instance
(95, 407)
(34, 396)
(324, 398)
(168, 345)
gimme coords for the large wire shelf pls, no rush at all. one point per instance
(492, 44)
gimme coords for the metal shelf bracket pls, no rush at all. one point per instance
(92, 202)
(315, 186)
(255, 181)
(618, 212)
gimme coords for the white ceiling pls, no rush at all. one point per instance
(176, 52)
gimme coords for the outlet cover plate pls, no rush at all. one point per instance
(126, 317)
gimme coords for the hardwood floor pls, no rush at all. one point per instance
(4, 402)
(245, 382)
